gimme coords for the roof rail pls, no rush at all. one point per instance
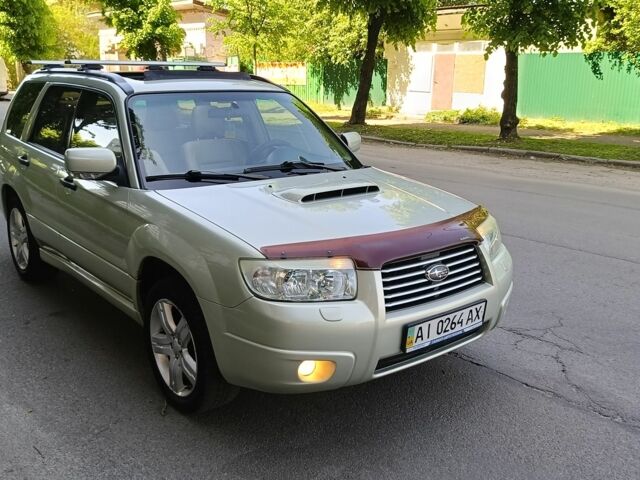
(141, 63)
(108, 76)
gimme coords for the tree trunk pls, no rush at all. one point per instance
(255, 59)
(359, 111)
(509, 121)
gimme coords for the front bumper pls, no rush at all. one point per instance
(260, 344)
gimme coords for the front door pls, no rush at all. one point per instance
(89, 222)
(444, 65)
(95, 217)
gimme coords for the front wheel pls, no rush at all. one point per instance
(180, 350)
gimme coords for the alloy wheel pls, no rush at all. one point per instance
(173, 348)
(19, 238)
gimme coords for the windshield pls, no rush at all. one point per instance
(231, 132)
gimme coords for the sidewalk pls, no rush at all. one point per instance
(604, 138)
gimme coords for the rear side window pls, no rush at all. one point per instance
(95, 124)
(21, 107)
(53, 122)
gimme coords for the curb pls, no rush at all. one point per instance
(530, 154)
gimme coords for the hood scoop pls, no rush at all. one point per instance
(317, 194)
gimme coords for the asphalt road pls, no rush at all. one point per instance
(553, 393)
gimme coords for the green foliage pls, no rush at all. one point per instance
(76, 36)
(517, 25)
(338, 79)
(326, 37)
(259, 29)
(617, 36)
(334, 44)
(472, 116)
(149, 28)
(26, 29)
(396, 21)
(382, 113)
(403, 21)
(443, 116)
(480, 116)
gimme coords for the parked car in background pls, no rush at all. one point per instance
(257, 251)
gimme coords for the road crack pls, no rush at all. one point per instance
(592, 406)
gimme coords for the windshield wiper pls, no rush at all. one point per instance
(198, 176)
(302, 163)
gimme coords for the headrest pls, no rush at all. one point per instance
(206, 122)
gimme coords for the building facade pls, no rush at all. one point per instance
(199, 42)
(446, 70)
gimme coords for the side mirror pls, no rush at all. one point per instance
(90, 162)
(353, 140)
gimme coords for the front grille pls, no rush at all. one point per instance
(406, 285)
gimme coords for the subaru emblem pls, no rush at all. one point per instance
(437, 272)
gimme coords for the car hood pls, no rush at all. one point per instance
(319, 207)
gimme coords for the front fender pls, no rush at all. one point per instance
(208, 262)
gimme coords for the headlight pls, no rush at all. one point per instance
(313, 280)
(490, 232)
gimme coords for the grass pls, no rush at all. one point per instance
(453, 138)
(583, 127)
(491, 116)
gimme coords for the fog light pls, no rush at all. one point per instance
(316, 371)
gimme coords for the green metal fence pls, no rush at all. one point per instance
(565, 87)
(321, 87)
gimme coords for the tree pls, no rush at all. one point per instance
(333, 46)
(617, 36)
(518, 25)
(26, 29)
(258, 28)
(76, 36)
(397, 21)
(149, 28)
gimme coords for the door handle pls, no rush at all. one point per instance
(24, 159)
(68, 182)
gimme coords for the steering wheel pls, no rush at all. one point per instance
(261, 152)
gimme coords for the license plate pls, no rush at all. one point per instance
(445, 327)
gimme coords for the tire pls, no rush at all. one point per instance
(180, 351)
(24, 248)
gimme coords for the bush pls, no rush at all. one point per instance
(443, 116)
(480, 116)
(384, 112)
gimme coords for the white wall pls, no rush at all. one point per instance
(410, 76)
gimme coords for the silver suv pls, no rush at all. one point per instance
(218, 211)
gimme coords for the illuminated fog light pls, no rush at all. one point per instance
(307, 368)
(316, 371)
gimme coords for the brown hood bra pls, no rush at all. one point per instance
(371, 252)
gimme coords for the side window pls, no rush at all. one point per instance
(53, 122)
(95, 124)
(21, 107)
